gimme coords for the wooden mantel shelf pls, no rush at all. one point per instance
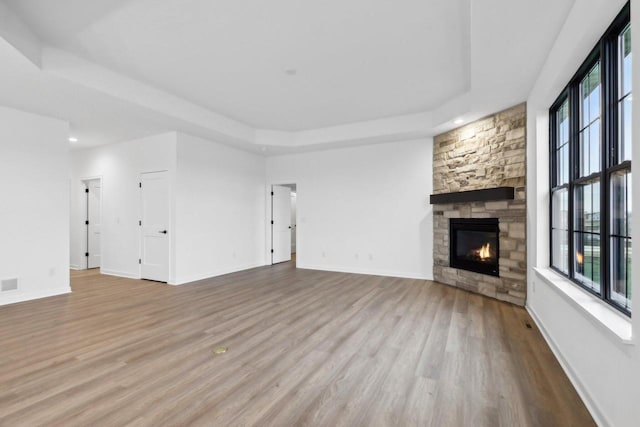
(490, 194)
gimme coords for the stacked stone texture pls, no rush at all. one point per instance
(488, 153)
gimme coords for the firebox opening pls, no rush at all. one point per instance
(474, 245)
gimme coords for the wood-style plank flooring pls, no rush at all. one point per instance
(304, 348)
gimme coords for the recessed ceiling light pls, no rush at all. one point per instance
(458, 121)
(73, 139)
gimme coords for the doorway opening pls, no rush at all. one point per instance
(93, 222)
(284, 236)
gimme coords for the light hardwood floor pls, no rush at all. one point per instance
(304, 348)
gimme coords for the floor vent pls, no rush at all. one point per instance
(8, 285)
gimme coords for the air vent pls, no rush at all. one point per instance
(8, 285)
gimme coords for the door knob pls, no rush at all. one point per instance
(163, 232)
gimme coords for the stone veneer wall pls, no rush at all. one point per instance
(484, 154)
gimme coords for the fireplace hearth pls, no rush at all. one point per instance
(475, 245)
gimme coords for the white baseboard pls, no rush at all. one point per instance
(75, 267)
(13, 297)
(126, 275)
(370, 272)
(196, 277)
(583, 392)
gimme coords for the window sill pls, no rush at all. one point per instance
(601, 314)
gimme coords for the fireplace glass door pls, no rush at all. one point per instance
(474, 245)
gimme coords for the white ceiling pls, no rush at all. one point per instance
(417, 63)
(25, 87)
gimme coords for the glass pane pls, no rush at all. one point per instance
(563, 123)
(559, 168)
(589, 145)
(587, 260)
(587, 207)
(583, 149)
(562, 165)
(560, 250)
(620, 241)
(594, 147)
(561, 144)
(620, 203)
(584, 107)
(565, 163)
(590, 91)
(624, 151)
(594, 100)
(560, 209)
(625, 61)
(559, 232)
(620, 286)
(625, 97)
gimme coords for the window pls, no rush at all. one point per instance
(560, 194)
(591, 171)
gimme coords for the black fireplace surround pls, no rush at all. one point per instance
(474, 245)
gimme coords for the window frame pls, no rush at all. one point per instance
(606, 52)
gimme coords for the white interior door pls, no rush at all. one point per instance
(155, 226)
(294, 202)
(280, 224)
(94, 198)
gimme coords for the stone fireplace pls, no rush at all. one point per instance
(479, 206)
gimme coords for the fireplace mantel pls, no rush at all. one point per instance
(490, 194)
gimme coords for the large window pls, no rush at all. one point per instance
(591, 171)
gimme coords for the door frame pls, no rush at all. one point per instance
(84, 213)
(268, 216)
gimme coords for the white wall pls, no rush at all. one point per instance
(34, 205)
(363, 209)
(119, 166)
(219, 209)
(604, 369)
